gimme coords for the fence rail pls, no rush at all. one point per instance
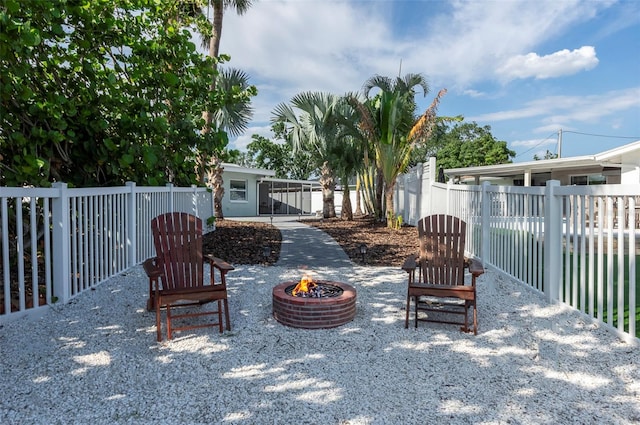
(58, 242)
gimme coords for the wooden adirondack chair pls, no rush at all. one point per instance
(441, 268)
(176, 274)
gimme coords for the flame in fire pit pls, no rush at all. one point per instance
(305, 285)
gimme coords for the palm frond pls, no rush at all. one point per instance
(379, 81)
(409, 81)
(423, 128)
(235, 112)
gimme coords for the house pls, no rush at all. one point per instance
(616, 166)
(250, 192)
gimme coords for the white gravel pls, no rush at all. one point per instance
(96, 361)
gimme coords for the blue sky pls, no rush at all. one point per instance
(526, 68)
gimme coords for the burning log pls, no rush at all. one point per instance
(305, 288)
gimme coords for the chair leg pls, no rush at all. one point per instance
(415, 300)
(475, 319)
(406, 319)
(226, 314)
(220, 316)
(466, 317)
(169, 332)
(158, 323)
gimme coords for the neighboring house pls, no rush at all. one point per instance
(616, 166)
(249, 192)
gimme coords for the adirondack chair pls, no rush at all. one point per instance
(440, 266)
(176, 274)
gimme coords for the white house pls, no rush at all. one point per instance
(250, 192)
(616, 166)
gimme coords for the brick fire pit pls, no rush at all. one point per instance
(314, 313)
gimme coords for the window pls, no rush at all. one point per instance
(238, 190)
(588, 180)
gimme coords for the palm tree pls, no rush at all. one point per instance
(219, 6)
(351, 154)
(234, 113)
(232, 116)
(347, 157)
(311, 126)
(388, 120)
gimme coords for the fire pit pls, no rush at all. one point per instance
(320, 305)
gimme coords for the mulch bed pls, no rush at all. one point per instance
(241, 242)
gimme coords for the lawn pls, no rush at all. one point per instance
(603, 278)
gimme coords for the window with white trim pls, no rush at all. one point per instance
(238, 190)
(588, 180)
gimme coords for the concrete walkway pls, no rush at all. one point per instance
(304, 245)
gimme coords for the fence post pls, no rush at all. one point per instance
(448, 197)
(61, 234)
(485, 224)
(431, 177)
(170, 196)
(552, 243)
(132, 225)
(194, 200)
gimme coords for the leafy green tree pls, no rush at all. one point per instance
(547, 155)
(428, 148)
(469, 145)
(279, 157)
(101, 92)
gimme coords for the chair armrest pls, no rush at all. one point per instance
(475, 267)
(152, 268)
(219, 264)
(410, 263)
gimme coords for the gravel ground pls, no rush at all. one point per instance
(96, 361)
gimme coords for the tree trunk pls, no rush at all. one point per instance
(214, 49)
(388, 197)
(217, 185)
(367, 191)
(327, 182)
(358, 207)
(347, 210)
(378, 201)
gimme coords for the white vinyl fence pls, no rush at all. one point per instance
(58, 242)
(578, 245)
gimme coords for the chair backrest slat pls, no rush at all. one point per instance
(442, 242)
(177, 238)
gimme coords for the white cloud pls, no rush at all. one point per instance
(295, 46)
(561, 63)
(474, 93)
(299, 46)
(466, 46)
(552, 127)
(556, 109)
(533, 143)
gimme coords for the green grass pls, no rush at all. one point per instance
(609, 316)
(507, 237)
